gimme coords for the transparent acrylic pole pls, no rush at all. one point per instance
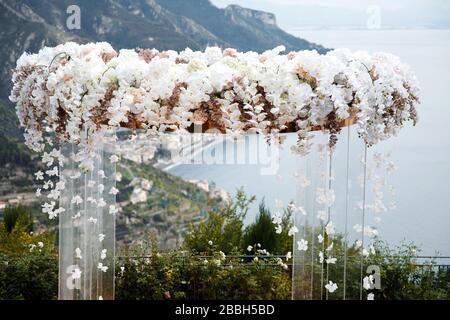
(331, 189)
(87, 228)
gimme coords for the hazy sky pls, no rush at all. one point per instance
(306, 14)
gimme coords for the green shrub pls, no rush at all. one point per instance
(403, 279)
(33, 276)
(17, 215)
(28, 262)
(181, 275)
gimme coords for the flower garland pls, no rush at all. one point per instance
(74, 90)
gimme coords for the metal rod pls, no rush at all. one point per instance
(346, 215)
(363, 224)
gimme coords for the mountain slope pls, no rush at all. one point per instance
(245, 29)
(28, 25)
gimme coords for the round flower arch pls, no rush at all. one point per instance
(73, 94)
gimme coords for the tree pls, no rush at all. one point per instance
(17, 215)
(263, 232)
(222, 230)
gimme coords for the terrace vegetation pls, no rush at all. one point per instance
(212, 262)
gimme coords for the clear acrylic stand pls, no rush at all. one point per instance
(331, 189)
(87, 227)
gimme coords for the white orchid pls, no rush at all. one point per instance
(77, 200)
(47, 185)
(292, 230)
(114, 158)
(329, 229)
(101, 203)
(53, 214)
(76, 273)
(331, 286)
(60, 185)
(54, 194)
(113, 209)
(91, 200)
(77, 215)
(52, 172)
(368, 230)
(48, 207)
(277, 218)
(47, 159)
(368, 282)
(331, 260)
(302, 245)
(302, 210)
(330, 247)
(114, 191)
(92, 220)
(320, 238)
(101, 267)
(278, 229)
(39, 175)
(78, 253)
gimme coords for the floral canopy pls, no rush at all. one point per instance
(72, 94)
